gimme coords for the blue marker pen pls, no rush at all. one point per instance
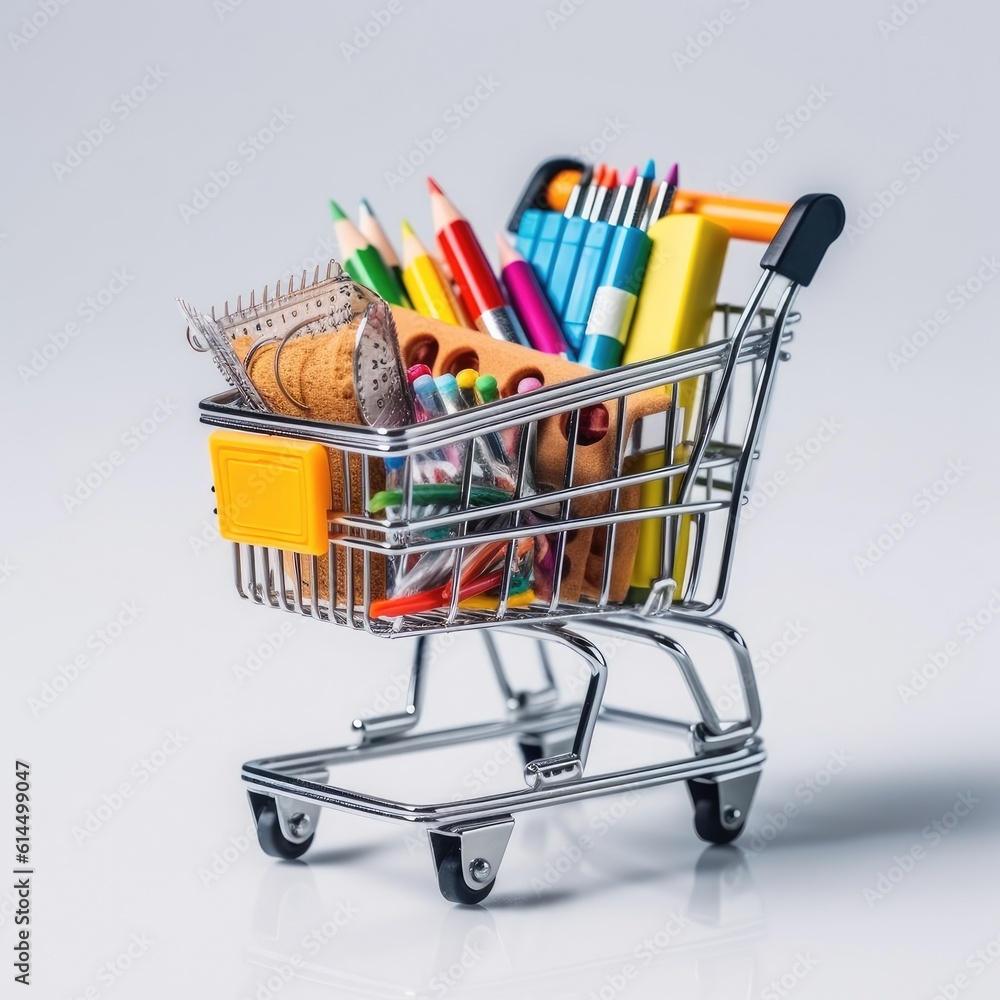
(543, 254)
(614, 301)
(590, 267)
(528, 231)
(558, 280)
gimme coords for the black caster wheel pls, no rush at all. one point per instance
(272, 841)
(709, 823)
(452, 883)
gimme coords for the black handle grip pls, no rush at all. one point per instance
(811, 225)
(534, 193)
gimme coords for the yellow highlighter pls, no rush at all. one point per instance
(426, 285)
(674, 313)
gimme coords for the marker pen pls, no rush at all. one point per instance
(466, 380)
(559, 283)
(528, 299)
(614, 301)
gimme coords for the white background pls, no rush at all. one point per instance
(789, 907)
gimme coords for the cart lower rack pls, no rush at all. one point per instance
(699, 462)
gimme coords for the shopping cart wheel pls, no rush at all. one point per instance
(721, 805)
(467, 857)
(451, 882)
(270, 836)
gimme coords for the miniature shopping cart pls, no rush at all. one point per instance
(705, 472)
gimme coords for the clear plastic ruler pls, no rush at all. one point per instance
(322, 305)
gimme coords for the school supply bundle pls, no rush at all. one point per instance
(566, 440)
(594, 269)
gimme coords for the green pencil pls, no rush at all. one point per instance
(372, 231)
(362, 261)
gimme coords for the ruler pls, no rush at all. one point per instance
(322, 305)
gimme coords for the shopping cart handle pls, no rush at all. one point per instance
(811, 225)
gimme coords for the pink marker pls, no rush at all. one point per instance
(529, 301)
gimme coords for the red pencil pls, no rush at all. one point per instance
(478, 287)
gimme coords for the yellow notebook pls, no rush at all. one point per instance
(674, 313)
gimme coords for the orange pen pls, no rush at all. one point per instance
(745, 218)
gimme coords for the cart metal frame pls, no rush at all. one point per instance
(468, 837)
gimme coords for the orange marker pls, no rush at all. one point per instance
(560, 188)
(745, 218)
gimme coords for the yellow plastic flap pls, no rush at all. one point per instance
(271, 491)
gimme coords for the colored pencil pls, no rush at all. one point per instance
(372, 230)
(427, 286)
(478, 287)
(361, 260)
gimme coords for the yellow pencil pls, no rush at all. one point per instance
(426, 286)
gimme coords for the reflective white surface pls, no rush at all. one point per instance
(136, 683)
